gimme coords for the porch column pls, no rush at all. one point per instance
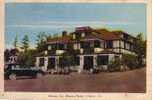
(80, 69)
(56, 62)
(45, 63)
(94, 61)
(37, 61)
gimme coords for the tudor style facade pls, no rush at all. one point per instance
(89, 48)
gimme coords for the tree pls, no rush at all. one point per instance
(15, 41)
(115, 64)
(26, 59)
(41, 42)
(130, 61)
(7, 55)
(25, 43)
(140, 48)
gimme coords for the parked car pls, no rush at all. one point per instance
(12, 71)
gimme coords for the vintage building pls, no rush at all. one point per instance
(87, 48)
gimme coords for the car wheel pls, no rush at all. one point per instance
(12, 76)
(39, 75)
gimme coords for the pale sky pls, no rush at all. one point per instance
(32, 18)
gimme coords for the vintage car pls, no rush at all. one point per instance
(12, 71)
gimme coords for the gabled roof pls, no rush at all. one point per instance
(108, 35)
(93, 34)
(63, 39)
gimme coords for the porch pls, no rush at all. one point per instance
(77, 63)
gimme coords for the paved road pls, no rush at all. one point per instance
(131, 81)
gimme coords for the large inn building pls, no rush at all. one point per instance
(89, 48)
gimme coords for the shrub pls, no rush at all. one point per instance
(115, 65)
(130, 60)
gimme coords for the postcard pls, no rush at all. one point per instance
(76, 50)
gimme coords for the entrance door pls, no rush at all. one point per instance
(88, 62)
(51, 63)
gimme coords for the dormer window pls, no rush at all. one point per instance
(96, 43)
(49, 47)
(74, 37)
(82, 34)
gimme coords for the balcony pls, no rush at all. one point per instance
(59, 52)
(98, 50)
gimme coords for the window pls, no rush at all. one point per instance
(85, 44)
(122, 44)
(53, 46)
(128, 46)
(82, 34)
(49, 47)
(125, 36)
(51, 63)
(74, 46)
(97, 43)
(74, 36)
(109, 44)
(102, 60)
(41, 61)
(61, 46)
(76, 61)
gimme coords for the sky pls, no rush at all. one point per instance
(32, 18)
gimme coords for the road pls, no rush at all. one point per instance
(131, 81)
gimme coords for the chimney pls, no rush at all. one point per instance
(83, 29)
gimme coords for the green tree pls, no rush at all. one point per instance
(25, 43)
(115, 64)
(41, 41)
(26, 59)
(140, 48)
(130, 61)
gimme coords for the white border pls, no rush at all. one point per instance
(97, 96)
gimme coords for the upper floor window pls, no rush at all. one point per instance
(82, 34)
(53, 46)
(125, 36)
(128, 45)
(49, 47)
(41, 62)
(122, 44)
(96, 43)
(61, 46)
(76, 46)
(109, 44)
(85, 44)
(74, 37)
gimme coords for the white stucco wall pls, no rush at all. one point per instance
(37, 62)
(115, 43)
(116, 50)
(80, 68)
(45, 63)
(122, 45)
(102, 44)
